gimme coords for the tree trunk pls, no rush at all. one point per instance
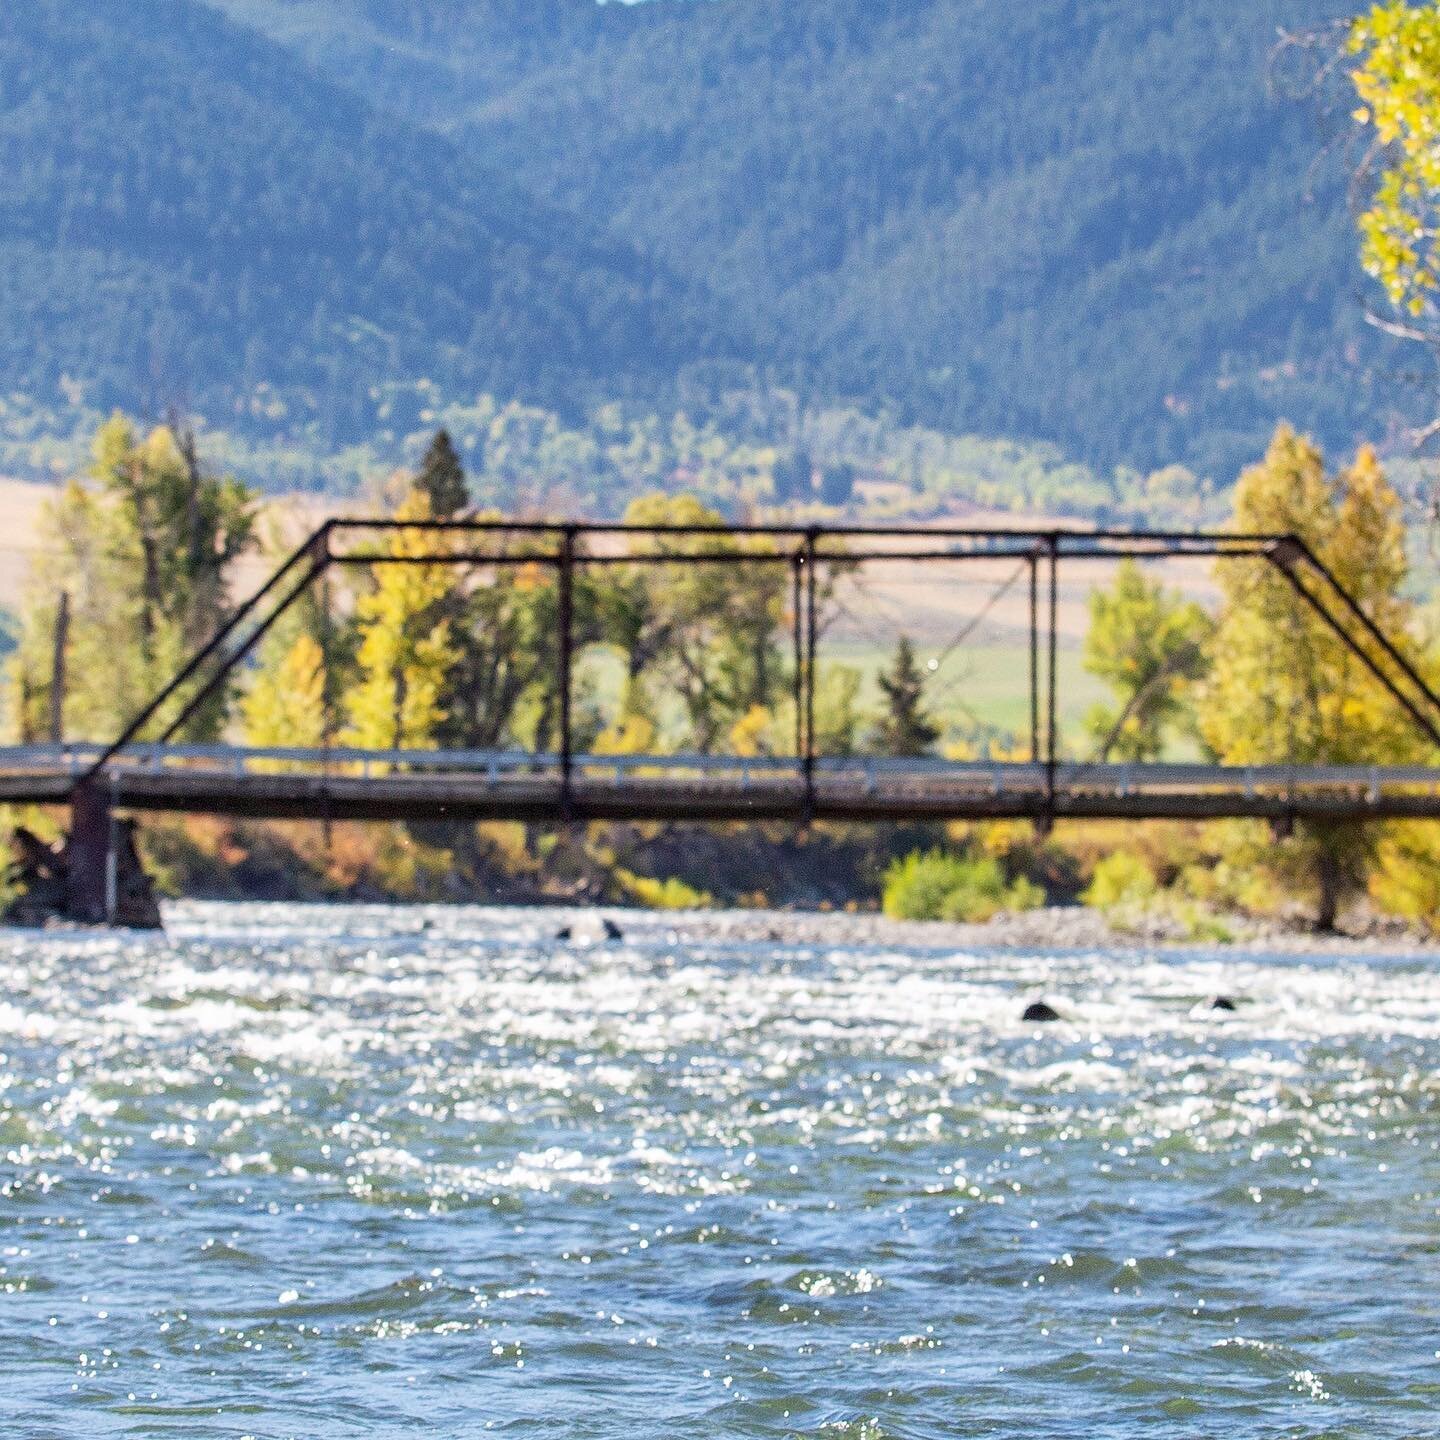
(1330, 879)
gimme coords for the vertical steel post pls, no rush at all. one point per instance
(567, 660)
(1034, 660)
(57, 668)
(327, 687)
(797, 566)
(327, 643)
(1052, 739)
(811, 637)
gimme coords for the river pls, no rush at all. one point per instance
(378, 1171)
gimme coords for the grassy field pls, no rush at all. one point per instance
(984, 685)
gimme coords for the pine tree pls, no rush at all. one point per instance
(837, 483)
(441, 479)
(793, 476)
(904, 728)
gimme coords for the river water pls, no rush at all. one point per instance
(313, 1172)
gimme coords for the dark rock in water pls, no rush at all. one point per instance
(612, 930)
(564, 933)
(1223, 1002)
(1040, 1012)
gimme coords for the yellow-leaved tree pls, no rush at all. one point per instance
(1283, 687)
(1396, 74)
(406, 649)
(286, 703)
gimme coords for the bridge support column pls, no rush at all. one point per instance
(90, 881)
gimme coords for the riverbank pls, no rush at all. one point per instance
(1069, 927)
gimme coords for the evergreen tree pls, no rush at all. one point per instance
(793, 476)
(904, 728)
(707, 632)
(441, 479)
(837, 483)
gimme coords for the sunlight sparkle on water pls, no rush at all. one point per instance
(322, 1172)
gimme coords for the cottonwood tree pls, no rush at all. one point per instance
(286, 705)
(1393, 50)
(1148, 644)
(144, 548)
(1283, 687)
(703, 631)
(405, 647)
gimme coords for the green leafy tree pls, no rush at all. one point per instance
(904, 728)
(145, 553)
(497, 620)
(706, 633)
(1148, 645)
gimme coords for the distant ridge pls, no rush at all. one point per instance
(1093, 223)
(191, 215)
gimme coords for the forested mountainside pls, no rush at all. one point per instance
(1094, 226)
(1102, 225)
(190, 216)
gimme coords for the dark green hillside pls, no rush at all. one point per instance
(1089, 223)
(190, 216)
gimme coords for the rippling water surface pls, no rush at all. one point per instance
(319, 1172)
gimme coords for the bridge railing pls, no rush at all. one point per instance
(870, 773)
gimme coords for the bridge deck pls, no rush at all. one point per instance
(345, 784)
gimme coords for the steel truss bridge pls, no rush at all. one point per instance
(146, 769)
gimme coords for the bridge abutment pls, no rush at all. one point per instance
(105, 883)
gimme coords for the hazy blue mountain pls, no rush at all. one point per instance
(1093, 223)
(1088, 224)
(191, 216)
